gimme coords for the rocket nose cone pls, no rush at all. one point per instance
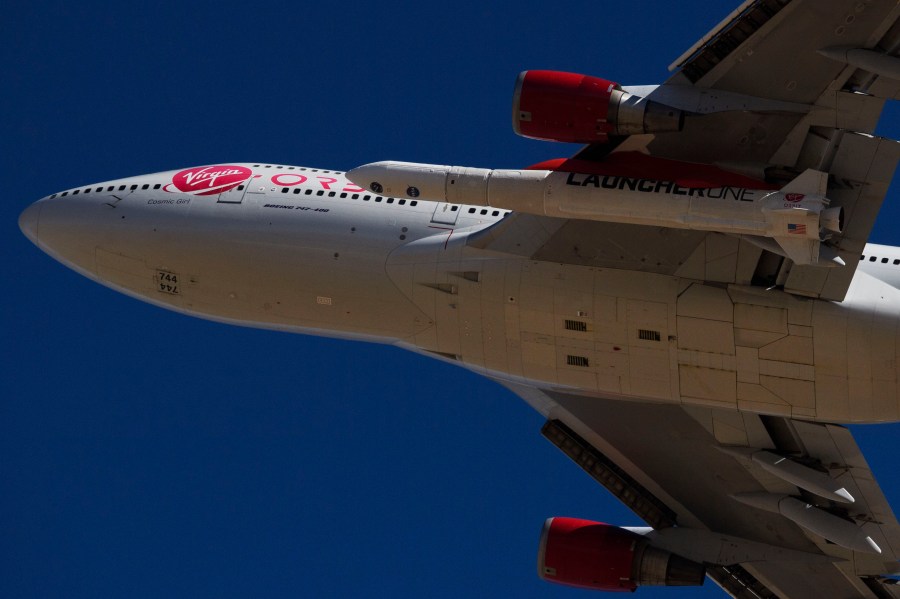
(367, 176)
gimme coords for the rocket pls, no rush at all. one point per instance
(793, 221)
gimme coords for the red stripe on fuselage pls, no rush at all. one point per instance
(643, 166)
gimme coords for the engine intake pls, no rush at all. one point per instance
(558, 106)
(593, 555)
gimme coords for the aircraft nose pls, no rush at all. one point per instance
(28, 221)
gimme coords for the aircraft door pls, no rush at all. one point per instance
(235, 195)
(445, 214)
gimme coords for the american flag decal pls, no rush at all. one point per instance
(797, 229)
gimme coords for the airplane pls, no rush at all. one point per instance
(729, 308)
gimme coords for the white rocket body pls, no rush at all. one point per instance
(794, 217)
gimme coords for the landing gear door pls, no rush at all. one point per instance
(445, 214)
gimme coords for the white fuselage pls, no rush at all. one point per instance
(305, 250)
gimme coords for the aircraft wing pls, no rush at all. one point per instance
(680, 468)
(778, 87)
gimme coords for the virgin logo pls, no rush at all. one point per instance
(794, 197)
(210, 180)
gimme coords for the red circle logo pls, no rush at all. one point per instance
(210, 180)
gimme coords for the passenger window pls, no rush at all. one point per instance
(157, 186)
(145, 186)
(872, 258)
(884, 260)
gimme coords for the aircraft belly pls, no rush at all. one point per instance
(656, 337)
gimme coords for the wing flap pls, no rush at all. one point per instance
(747, 55)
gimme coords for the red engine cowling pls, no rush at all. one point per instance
(558, 106)
(593, 555)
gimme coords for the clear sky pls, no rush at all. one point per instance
(147, 454)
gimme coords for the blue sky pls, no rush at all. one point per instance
(148, 454)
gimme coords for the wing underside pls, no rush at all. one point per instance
(680, 466)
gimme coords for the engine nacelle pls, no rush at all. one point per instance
(557, 106)
(593, 555)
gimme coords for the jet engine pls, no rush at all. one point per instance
(593, 555)
(557, 106)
